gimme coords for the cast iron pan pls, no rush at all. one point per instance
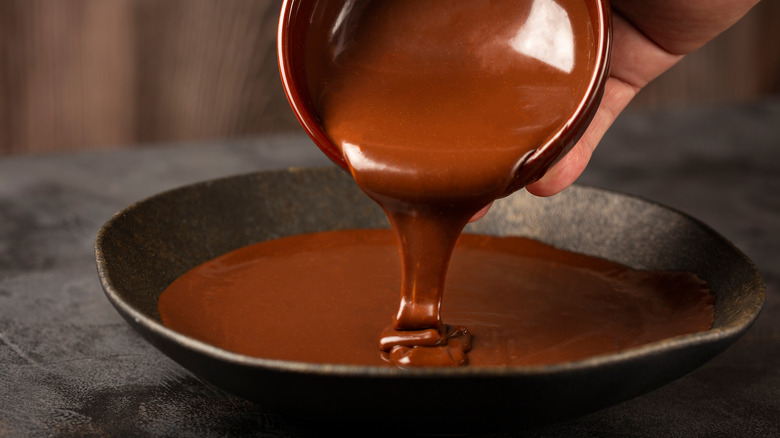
(145, 247)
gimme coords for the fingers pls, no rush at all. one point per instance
(682, 26)
(481, 213)
(636, 60)
(617, 94)
(654, 37)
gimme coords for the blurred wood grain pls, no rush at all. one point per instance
(78, 74)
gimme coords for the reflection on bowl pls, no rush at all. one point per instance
(143, 248)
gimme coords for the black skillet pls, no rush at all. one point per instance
(147, 245)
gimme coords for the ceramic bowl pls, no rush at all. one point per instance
(305, 36)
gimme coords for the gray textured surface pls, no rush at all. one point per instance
(69, 365)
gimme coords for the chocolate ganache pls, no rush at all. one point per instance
(435, 106)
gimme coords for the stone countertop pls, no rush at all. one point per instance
(69, 365)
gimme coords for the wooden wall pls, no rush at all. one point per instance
(78, 74)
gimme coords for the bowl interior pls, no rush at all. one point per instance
(305, 36)
(143, 248)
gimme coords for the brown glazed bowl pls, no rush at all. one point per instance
(304, 36)
(143, 248)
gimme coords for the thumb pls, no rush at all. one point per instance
(617, 94)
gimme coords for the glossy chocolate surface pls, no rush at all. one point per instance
(525, 303)
(436, 100)
(308, 29)
(435, 106)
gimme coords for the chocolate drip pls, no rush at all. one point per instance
(326, 297)
(434, 104)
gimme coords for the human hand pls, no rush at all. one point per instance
(649, 37)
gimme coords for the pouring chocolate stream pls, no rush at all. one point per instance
(437, 108)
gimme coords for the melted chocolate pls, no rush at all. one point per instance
(435, 104)
(525, 303)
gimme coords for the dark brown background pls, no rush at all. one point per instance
(78, 74)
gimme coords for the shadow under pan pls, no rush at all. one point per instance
(146, 246)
